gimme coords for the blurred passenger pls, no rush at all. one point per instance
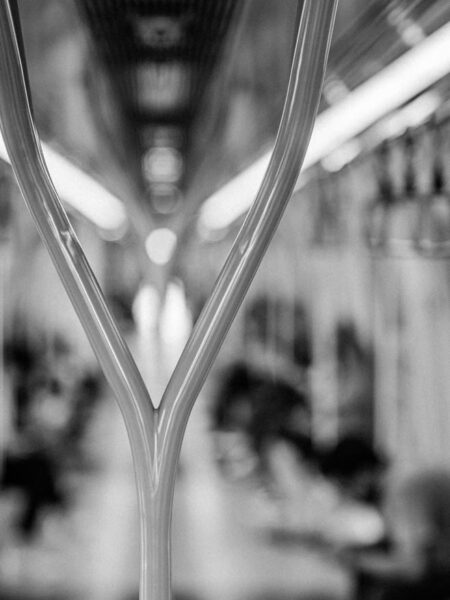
(250, 411)
(302, 344)
(34, 475)
(303, 496)
(48, 414)
(356, 471)
(232, 405)
(355, 378)
(23, 357)
(417, 564)
(277, 407)
(407, 555)
(232, 413)
(85, 398)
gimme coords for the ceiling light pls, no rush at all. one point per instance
(159, 32)
(412, 34)
(162, 165)
(81, 192)
(162, 87)
(160, 245)
(175, 322)
(165, 198)
(162, 135)
(334, 90)
(412, 115)
(235, 197)
(412, 73)
(342, 156)
(394, 125)
(145, 309)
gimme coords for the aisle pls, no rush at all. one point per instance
(220, 554)
(89, 551)
(106, 516)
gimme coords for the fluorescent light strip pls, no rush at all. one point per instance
(81, 191)
(412, 73)
(412, 115)
(393, 125)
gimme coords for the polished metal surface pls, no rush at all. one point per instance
(295, 129)
(26, 157)
(156, 434)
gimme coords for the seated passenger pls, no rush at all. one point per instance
(417, 566)
(412, 560)
(303, 496)
(34, 474)
(231, 415)
(355, 470)
(329, 512)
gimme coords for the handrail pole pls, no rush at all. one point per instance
(81, 286)
(301, 105)
(29, 166)
(156, 434)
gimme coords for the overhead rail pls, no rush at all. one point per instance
(415, 71)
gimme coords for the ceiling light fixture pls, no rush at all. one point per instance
(81, 192)
(412, 73)
(162, 165)
(160, 32)
(394, 125)
(165, 198)
(162, 87)
(160, 245)
(412, 115)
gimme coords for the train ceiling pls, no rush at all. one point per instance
(383, 32)
(169, 61)
(380, 32)
(161, 55)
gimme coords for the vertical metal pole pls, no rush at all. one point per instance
(26, 157)
(27, 160)
(156, 434)
(302, 100)
(4, 409)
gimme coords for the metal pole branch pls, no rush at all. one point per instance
(156, 434)
(301, 105)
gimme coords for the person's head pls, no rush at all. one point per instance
(303, 447)
(232, 403)
(355, 467)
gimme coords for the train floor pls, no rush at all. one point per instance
(219, 550)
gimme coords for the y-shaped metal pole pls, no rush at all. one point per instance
(156, 434)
